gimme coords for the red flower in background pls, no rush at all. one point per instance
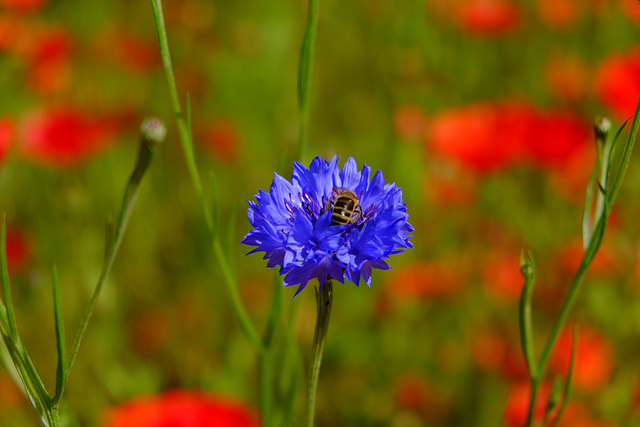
(6, 132)
(11, 28)
(44, 50)
(63, 137)
(560, 136)
(489, 17)
(631, 9)
(493, 352)
(558, 13)
(515, 413)
(24, 6)
(427, 279)
(17, 250)
(50, 68)
(181, 409)
(605, 262)
(126, 49)
(594, 358)
(473, 136)
(617, 83)
(490, 137)
(502, 278)
(221, 138)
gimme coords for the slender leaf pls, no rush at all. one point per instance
(626, 155)
(528, 270)
(8, 315)
(61, 345)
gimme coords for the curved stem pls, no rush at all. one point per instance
(324, 299)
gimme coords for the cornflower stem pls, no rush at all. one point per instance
(186, 141)
(146, 153)
(45, 405)
(593, 234)
(304, 75)
(324, 300)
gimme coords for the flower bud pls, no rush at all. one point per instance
(153, 131)
(602, 127)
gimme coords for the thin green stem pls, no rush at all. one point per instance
(305, 74)
(145, 156)
(324, 299)
(567, 383)
(183, 131)
(187, 146)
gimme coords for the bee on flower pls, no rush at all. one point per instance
(329, 222)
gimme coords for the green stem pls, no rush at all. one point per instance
(304, 74)
(324, 299)
(187, 147)
(145, 155)
(183, 130)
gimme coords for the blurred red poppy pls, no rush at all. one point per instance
(126, 49)
(493, 352)
(412, 391)
(469, 135)
(426, 279)
(559, 136)
(502, 278)
(489, 17)
(11, 28)
(617, 83)
(25, 6)
(606, 261)
(50, 66)
(6, 133)
(484, 137)
(515, 413)
(491, 137)
(17, 250)
(571, 179)
(631, 9)
(594, 358)
(221, 138)
(558, 13)
(181, 408)
(63, 137)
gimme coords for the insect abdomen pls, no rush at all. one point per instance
(342, 212)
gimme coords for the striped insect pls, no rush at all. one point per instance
(345, 207)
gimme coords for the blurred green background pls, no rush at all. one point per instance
(435, 340)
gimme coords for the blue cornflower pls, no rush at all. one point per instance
(303, 227)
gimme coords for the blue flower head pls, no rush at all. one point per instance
(329, 222)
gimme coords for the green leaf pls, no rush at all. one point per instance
(8, 316)
(626, 155)
(528, 270)
(61, 344)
